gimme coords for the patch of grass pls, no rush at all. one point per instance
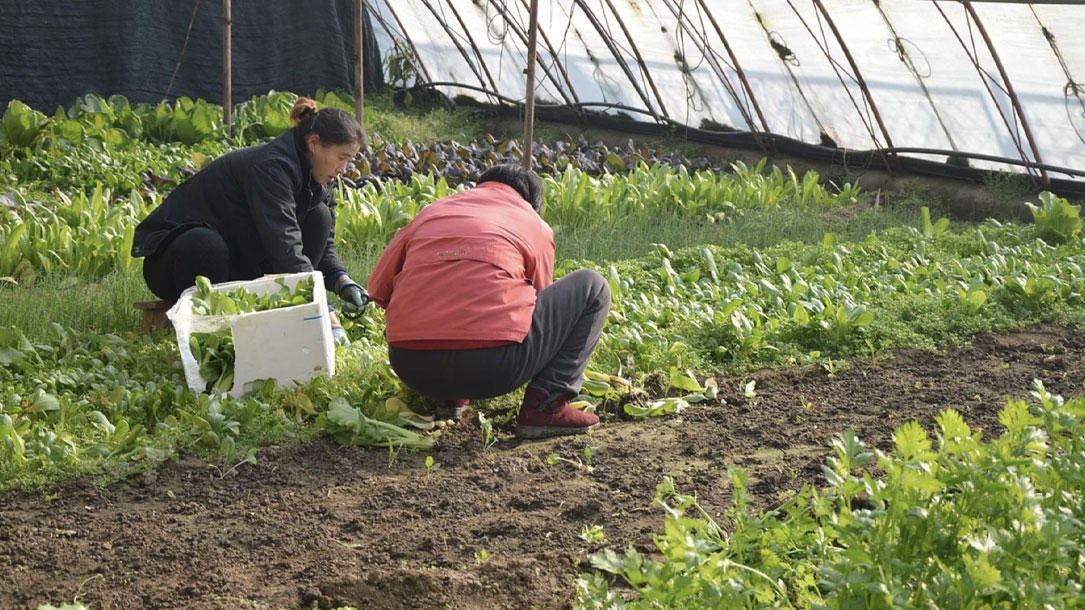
(103, 306)
(756, 228)
(1007, 186)
(419, 124)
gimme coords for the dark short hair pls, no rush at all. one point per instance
(523, 181)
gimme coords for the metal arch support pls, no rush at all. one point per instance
(1009, 89)
(617, 56)
(858, 75)
(554, 54)
(640, 60)
(474, 47)
(452, 36)
(738, 69)
(407, 37)
(524, 38)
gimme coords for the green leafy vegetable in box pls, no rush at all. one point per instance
(215, 351)
(209, 302)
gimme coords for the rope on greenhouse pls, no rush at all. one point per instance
(896, 44)
(707, 54)
(990, 77)
(984, 78)
(184, 46)
(614, 51)
(737, 67)
(501, 39)
(471, 40)
(1072, 87)
(647, 75)
(789, 59)
(555, 61)
(682, 58)
(407, 37)
(837, 70)
(609, 38)
(693, 90)
(521, 33)
(602, 79)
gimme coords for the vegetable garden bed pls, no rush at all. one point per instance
(314, 523)
(757, 316)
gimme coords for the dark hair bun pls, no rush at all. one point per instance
(303, 109)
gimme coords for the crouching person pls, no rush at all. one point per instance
(473, 311)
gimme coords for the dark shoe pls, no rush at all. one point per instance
(450, 409)
(543, 416)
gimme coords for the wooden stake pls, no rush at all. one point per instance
(227, 76)
(529, 106)
(359, 71)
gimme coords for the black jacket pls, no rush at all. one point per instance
(255, 199)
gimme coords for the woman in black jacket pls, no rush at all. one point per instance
(259, 210)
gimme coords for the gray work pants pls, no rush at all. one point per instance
(565, 329)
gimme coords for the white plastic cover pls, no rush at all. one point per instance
(916, 58)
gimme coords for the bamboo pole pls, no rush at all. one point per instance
(227, 76)
(359, 71)
(529, 106)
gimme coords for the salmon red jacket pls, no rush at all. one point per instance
(465, 272)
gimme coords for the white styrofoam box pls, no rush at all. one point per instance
(291, 344)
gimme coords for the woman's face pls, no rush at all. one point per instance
(329, 162)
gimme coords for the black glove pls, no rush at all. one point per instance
(354, 298)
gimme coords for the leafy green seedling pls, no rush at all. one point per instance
(487, 428)
(554, 459)
(656, 408)
(1057, 221)
(588, 453)
(929, 229)
(431, 465)
(393, 453)
(750, 391)
(593, 533)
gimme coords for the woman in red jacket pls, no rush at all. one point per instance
(473, 311)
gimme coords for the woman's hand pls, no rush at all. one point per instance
(355, 298)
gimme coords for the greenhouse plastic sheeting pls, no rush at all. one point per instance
(53, 52)
(921, 61)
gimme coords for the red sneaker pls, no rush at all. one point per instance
(554, 419)
(449, 409)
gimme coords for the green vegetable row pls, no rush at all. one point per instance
(90, 235)
(215, 354)
(210, 302)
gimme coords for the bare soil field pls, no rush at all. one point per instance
(319, 525)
